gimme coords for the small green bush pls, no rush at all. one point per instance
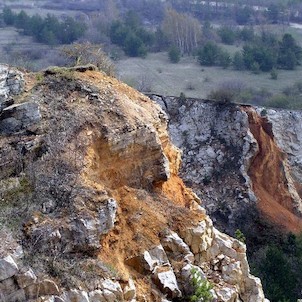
(263, 112)
(174, 54)
(274, 74)
(222, 94)
(240, 236)
(182, 97)
(202, 288)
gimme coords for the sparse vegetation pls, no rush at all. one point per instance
(174, 54)
(274, 74)
(87, 53)
(240, 236)
(15, 200)
(47, 30)
(201, 288)
(182, 97)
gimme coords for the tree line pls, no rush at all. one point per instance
(261, 53)
(49, 30)
(129, 34)
(180, 33)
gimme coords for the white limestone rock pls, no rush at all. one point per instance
(177, 247)
(75, 295)
(199, 238)
(166, 281)
(97, 296)
(112, 290)
(107, 216)
(155, 257)
(8, 267)
(227, 294)
(231, 273)
(130, 291)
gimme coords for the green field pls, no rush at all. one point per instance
(194, 80)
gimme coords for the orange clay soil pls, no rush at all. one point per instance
(142, 213)
(267, 174)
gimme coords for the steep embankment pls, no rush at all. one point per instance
(269, 173)
(89, 183)
(240, 162)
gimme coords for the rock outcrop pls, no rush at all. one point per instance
(239, 160)
(90, 187)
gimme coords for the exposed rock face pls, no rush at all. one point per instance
(235, 159)
(287, 131)
(107, 217)
(217, 149)
(271, 176)
(19, 117)
(11, 83)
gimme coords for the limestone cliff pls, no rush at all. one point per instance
(92, 207)
(240, 160)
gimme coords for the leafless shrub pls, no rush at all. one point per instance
(87, 53)
(227, 91)
(190, 86)
(144, 83)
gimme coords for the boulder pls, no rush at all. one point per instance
(75, 295)
(11, 82)
(97, 296)
(227, 294)
(155, 257)
(112, 290)
(107, 215)
(166, 281)
(8, 286)
(8, 267)
(42, 288)
(222, 243)
(130, 291)
(253, 289)
(199, 238)
(26, 278)
(231, 273)
(15, 296)
(18, 117)
(149, 260)
(177, 248)
(86, 230)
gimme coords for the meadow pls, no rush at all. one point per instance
(160, 76)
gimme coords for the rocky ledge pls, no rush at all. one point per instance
(92, 207)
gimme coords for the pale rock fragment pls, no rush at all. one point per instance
(8, 267)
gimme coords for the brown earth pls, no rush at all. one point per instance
(268, 177)
(144, 209)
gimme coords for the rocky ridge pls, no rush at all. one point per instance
(239, 160)
(92, 207)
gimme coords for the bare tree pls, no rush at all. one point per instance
(87, 53)
(183, 30)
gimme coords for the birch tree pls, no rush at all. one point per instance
(182, 30)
